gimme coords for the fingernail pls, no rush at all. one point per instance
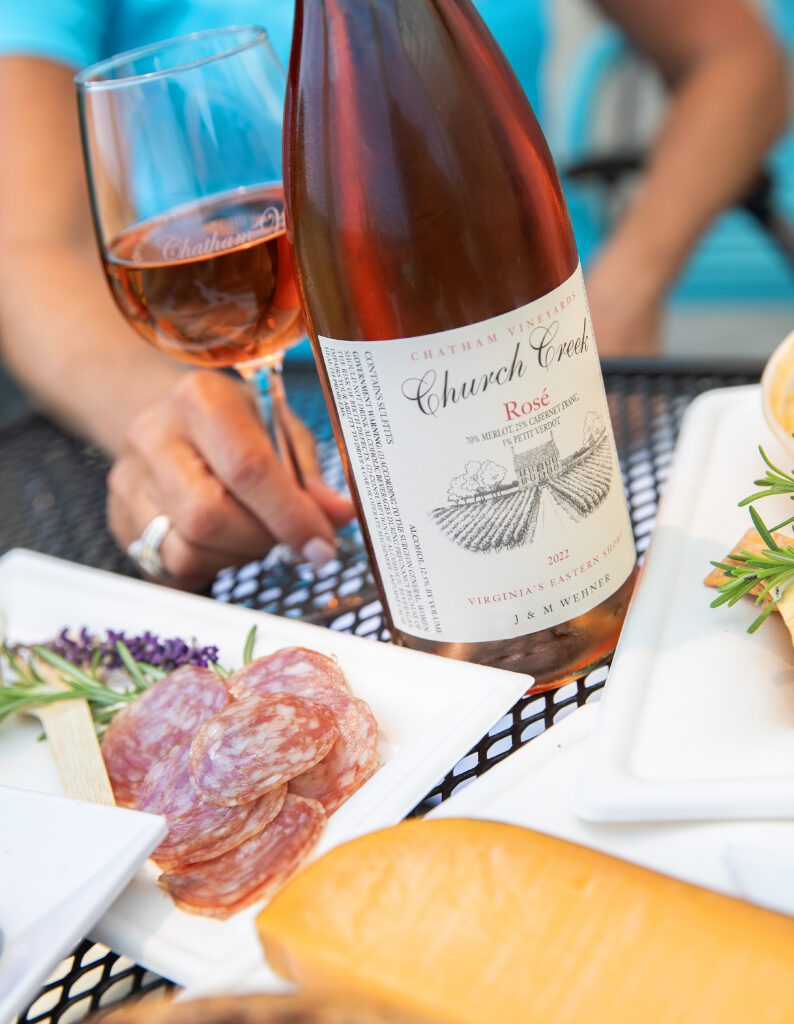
(318, 552)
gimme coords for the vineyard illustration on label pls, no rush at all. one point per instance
(489, 510)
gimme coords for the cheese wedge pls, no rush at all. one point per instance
(476, 922)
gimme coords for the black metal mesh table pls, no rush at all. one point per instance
(52, 490)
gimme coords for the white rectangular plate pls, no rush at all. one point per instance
(430, 710)
(536, 787)
(698, 716)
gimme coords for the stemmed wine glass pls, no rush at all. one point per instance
(182, 143)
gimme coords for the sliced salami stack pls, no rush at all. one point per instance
(245, 771)
(354, 757)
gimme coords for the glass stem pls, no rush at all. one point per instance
(267, 384)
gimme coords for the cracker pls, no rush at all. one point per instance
(753, 542)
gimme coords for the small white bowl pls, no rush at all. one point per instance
(777, 393)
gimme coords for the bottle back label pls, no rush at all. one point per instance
(486, 469)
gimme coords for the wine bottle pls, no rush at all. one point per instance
(445, 303)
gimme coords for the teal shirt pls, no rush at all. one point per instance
(735, 261)
(81, 32)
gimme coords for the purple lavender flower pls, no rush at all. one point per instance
(82, 647)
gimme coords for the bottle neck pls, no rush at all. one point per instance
(410, 148)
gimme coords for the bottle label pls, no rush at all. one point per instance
(486, 469)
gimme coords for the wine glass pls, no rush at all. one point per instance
(182, 143)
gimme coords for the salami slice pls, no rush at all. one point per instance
(289, 670)
(263, 811)
(252, 871)
(165, 716)
(198, 830)
(354, 757)
(257, 744)
(351, 761)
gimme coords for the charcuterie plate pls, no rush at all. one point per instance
(430, 712)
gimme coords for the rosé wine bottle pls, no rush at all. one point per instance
(445, 302)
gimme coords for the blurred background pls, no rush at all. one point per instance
(600, 104)
(736, 298)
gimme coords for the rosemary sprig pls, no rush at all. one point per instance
(248, 649)
(139, 680)
(30, 690)
(774, 483)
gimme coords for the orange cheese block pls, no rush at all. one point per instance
(476, 922)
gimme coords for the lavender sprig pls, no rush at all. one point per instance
(84, 648)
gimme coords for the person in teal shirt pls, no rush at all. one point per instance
(188, 444)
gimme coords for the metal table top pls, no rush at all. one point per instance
(52, 499)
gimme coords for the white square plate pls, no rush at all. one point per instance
(52, 892)
(430, 710)
(698, 716)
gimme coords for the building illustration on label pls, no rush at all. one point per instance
(536, 465)
(487, 510)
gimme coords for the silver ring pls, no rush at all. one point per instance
(145, 551)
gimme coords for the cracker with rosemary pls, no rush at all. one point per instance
(751, 541)
(762, 563)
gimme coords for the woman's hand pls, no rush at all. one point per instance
(201, 456)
